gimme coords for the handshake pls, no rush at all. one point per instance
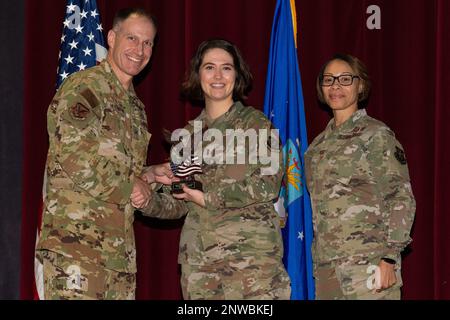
(142, 191)
(164, 174)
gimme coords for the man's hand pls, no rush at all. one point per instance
(193, 195)
(387, 275)
(141, 194)
(159, 173)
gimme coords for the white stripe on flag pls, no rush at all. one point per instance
(100, 52)
(38, 266)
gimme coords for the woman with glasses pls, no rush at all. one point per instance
(363, 205)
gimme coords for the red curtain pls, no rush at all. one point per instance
(405, 58)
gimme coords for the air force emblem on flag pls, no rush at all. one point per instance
(292, 185)
(293, 172)
(283, 103)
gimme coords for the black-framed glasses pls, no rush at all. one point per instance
(343, 80)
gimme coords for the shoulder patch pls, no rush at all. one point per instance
(400, 155)
(90, 97)
(79, 111)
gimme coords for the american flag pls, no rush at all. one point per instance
(82, 44)
(189, 167)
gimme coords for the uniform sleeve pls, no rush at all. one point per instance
(76, 136)
(241, 185)
(388, 162)
(164, 206)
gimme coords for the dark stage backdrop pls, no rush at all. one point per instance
(11, 93)
(410, 71)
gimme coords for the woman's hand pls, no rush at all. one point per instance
(192, 195)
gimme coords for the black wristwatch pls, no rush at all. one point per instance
(388, 260)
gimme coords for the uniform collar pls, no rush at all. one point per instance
(348, 125)
(113, 78)
(234, 109)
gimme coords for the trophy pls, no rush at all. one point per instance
(186, 172)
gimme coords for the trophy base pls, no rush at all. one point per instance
(177, 187)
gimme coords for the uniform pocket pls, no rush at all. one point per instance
(66, 278)
(359, 282)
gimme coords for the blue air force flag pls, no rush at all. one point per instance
(283, 104)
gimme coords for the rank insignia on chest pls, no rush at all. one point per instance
(79, 111)
(400, 155)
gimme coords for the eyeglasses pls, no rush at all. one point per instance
(344, 80)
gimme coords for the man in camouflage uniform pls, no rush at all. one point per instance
(363, 206)
(230, 248)
(98, 135)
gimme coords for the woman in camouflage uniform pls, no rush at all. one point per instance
(230, 246)
(363, 206)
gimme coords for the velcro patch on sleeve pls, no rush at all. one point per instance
(90, 98)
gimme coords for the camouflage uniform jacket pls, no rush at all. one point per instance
(98, 143)
(239, 220)
(360, 191)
